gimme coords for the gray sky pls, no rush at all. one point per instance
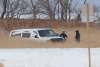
(96, 2)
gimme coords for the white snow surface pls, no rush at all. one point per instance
(49, 57)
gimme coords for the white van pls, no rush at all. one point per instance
(38, 34)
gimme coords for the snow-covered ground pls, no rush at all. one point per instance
(49, 57)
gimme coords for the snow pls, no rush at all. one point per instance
(49, 57)
(95, 57)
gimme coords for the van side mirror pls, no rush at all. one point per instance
(36, 36)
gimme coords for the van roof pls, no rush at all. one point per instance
(31, 29)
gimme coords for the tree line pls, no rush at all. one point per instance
(53, 9)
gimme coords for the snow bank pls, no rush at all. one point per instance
(49, 57)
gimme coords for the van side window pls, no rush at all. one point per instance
(26, 34)
(14, 34)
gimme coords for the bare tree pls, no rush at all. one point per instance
(69, 9)
(4, 8)
(16, 8)
(34, 8)
(48, 7)
(64, 9)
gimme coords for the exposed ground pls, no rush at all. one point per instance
(90, 38)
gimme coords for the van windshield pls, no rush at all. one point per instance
(47, 33)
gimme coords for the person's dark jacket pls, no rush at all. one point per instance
(64, 35)
(77, 36)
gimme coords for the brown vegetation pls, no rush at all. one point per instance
(9, 24)
(1, 65)
(88, 39)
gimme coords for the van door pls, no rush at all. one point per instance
(26, 34)
(35, 35)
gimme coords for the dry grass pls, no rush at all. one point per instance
(88, 39)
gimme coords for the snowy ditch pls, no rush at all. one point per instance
(49, 57)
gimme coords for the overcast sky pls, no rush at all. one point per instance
(96, 2)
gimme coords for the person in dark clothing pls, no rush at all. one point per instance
(77, 36)
(64, 35)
